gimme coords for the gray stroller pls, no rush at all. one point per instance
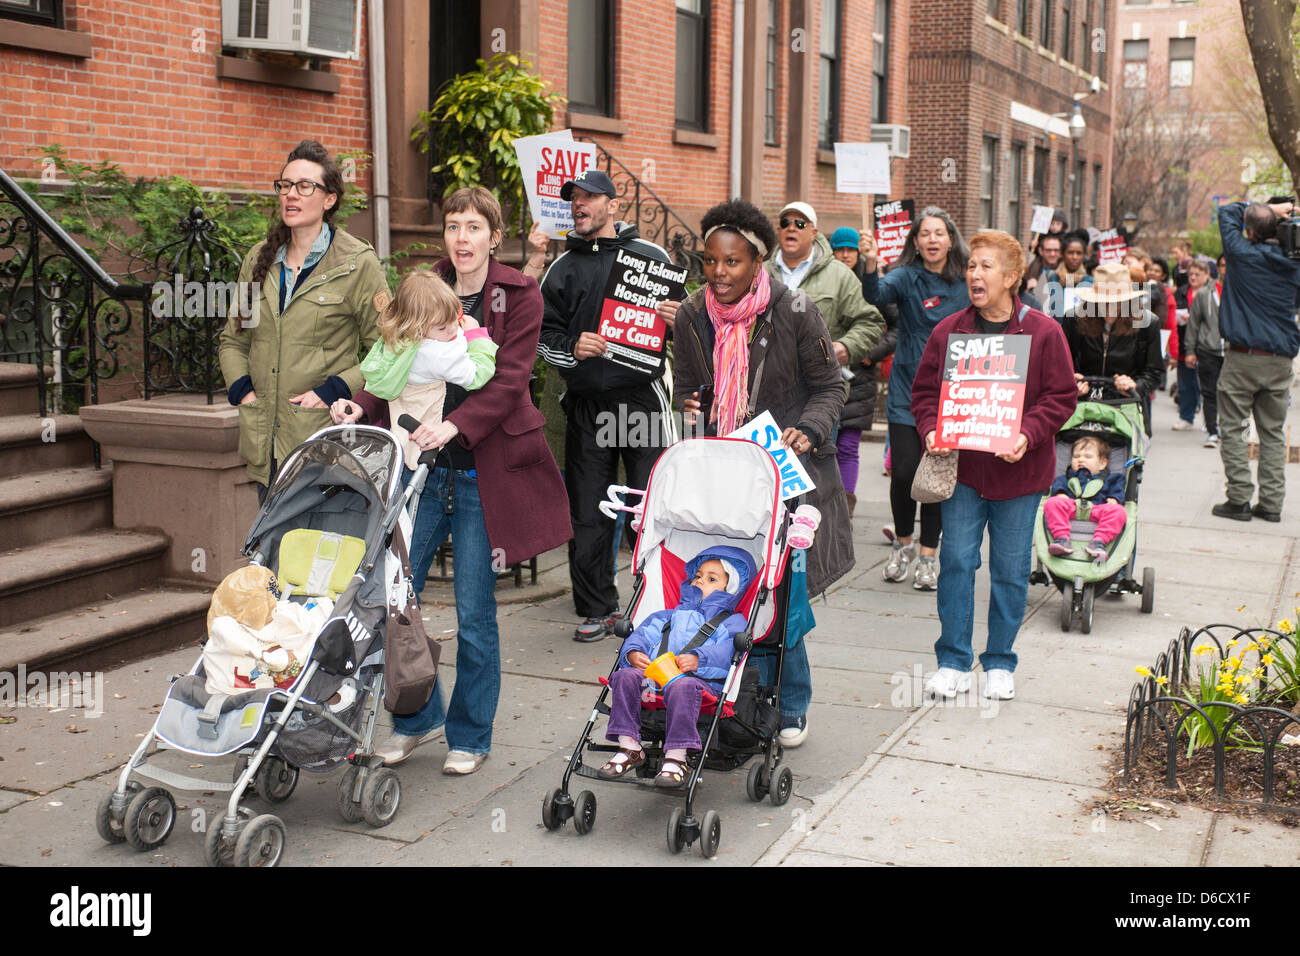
(326, 529)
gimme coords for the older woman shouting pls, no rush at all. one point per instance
(1000, 492)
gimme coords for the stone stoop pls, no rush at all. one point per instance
(74, 592)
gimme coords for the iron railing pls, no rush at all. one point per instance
(1166, 704)
(61, 310)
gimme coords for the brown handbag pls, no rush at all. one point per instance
(936, 478)
(410, 655)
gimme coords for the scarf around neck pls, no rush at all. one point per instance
(731, 325)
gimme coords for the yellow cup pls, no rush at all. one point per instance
(663, 670)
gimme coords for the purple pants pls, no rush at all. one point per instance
(847, 446)
(681, 700)
(1110, 518)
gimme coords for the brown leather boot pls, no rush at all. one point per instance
(853, 502)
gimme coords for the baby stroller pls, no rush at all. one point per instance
(326, 530)
(1118, 421)
(684, 509)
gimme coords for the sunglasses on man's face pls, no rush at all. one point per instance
(798, 223)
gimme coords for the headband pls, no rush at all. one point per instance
(754, 241)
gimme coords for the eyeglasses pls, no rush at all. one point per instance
(798, 223)
(305, 187)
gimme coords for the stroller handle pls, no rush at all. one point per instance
(611, 505)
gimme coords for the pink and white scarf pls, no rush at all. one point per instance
(731, 326)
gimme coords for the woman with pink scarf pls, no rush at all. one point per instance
(745, 344)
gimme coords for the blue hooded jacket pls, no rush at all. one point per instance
(692, 613)
(1260, 296)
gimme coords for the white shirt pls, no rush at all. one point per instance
(438, 361)
(792, 277)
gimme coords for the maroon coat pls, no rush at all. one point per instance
(1050, 397)
(525, 506)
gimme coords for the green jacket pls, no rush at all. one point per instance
(837, 293)
(327, 324)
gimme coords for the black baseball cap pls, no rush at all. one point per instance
(593, 181)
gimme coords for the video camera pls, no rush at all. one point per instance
(1288, 230)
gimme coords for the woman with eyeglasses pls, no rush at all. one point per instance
(320, 290)
(928, 284)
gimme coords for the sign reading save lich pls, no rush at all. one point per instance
(764, 431)
(983, 392)
(629, 318)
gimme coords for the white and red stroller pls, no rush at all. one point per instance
(702, 492)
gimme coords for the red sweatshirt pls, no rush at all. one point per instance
(1050, 397)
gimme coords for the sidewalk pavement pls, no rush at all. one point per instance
(884, 778)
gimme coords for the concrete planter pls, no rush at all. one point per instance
(177, 469)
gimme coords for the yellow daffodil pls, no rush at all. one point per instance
(1142, 671)
(1267, 660)
(1162, 681)
(1285, 626)
(1242, 699)
(1204, 649)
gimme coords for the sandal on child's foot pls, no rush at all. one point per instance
(671, 774)
(619, 764)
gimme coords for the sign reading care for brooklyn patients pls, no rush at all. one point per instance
(983, 392)
(629, 320)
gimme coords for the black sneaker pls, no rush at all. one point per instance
(595, 628)
(1239, 512)
(1259, 512)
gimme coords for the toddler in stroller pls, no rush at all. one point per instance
(1090, 491)
(698, 633)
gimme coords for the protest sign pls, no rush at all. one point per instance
(629, 322)
(893, 221)
(546, 163)
(764, 431)
(1111, 246)
(862, 167)
(1042, 219)
(983, 392)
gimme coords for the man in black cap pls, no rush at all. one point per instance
(613, 409)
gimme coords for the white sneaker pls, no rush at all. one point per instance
(927, 574)
(900, 561)
(1211, 441)
(400, 746)
(947, 682)
(460, 762)
(999, 684)
(1182, 425)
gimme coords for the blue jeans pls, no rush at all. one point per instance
(473, 705)
(1189, 393)
(1011, 531)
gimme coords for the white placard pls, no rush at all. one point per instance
(1164, 342)
(547, 162)
(862, 168)
(1042, 219)
(764, 431)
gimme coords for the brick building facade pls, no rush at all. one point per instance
(148, 88)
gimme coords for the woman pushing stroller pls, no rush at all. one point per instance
(698, 632)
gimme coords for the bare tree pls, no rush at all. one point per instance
(1270, 32)
(1156, 147)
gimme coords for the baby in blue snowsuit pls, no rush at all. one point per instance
(715, 580)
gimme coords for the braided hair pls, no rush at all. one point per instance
(278, 234)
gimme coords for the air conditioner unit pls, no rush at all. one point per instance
(899, 138)
(306, 27)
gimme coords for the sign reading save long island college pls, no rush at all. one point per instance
(983, 392)
(629, 319)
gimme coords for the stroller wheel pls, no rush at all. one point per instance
(108, 826)
(756, 782)
(1148, 590)
(261, 842)
(676, 835)
(217, 851)
(782, 786)
(1085, 615)
(149, 819)
(1067, 607)
(276, 780)
(584, 813)
(349, 809)
(711, 834)
(551, 818)
(380, 796)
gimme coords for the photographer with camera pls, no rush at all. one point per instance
(1257, 319)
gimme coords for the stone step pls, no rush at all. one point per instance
(19, 393)
(31, 443)
(45, 505)
(56, 575)
(105, 634)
